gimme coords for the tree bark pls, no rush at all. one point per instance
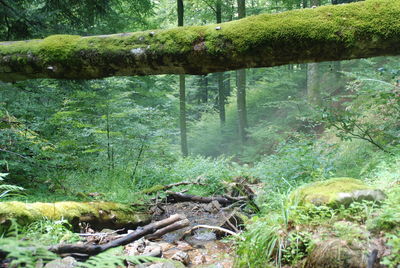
(221, 98)
(241, 104)
(182, 115)
(182, 92)
(241, 86)
(220, 76)
(329, 33)
(313, 85)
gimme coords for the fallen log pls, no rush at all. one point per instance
(150, 231)
(99, 215)
(329, 33)
(181, 197)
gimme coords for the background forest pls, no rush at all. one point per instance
(282, 127)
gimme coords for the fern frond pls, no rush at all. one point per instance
(9, 187)
(114, 258)
(25, 253)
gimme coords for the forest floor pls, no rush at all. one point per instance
(186, 247)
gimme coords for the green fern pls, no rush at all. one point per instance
(24, 253)
(115, 258)
(7, 189)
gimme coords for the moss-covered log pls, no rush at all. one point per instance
(364, 29)
(98, 214)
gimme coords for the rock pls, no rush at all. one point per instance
(182, 257)
(213, 207)
(184, 246)
(67, 262)
(143, 247)
(165, 265)
(335, 192)
(199, 259)
(336, 253)
(360, 195)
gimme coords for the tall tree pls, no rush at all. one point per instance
(220, 76)
(241, 85)
(313, 79)
(182, 92)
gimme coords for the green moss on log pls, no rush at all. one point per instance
(98, 214)
(363, 29)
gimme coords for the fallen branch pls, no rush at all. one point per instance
(217, 228)
(159, 188)
(155, 230)
(181, 197)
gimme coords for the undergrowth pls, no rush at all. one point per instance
(287, 233)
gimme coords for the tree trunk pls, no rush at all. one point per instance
(220, 76)
(368, 28)
(182, 115)
(241, 85)
(241, 104)
(241, 8)
(204, 89)
(182, 92)
(313, 85)
(221, 98)
(180, 12)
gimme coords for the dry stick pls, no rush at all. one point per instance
(227, 220)
(169, 186)
(180, 197)
(213, 228)
(170, 228)
(139, 233)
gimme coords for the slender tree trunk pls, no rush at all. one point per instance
(241, 85)
(313, 85)
(241, 103)
(241, 8)
(109, 155)
(204, 89)
(180, 12)
(221, 98)
(182, 92)
(227, 84)
(218, 11)
(182, 115)
(220, 76)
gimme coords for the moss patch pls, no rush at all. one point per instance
(325, 192)
(98, 214)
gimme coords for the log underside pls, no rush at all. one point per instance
(359, 30)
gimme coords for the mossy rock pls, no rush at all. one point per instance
(98, 214)
(337, 253)
(335, 192)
